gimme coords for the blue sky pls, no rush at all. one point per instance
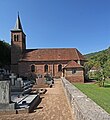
(81, 24)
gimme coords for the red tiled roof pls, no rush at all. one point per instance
(52, 54)
(72, 64)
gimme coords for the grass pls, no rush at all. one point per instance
(100, 95)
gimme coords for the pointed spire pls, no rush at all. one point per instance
(18, 25)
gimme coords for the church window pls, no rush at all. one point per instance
(59, 68)
(32, 68)
(15, 38)
(46, 68)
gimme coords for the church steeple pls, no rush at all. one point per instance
(18, 25)
(18, 44)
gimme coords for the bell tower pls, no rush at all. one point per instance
(18, 45)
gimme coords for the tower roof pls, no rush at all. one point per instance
(18, 25)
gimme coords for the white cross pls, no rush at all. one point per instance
(12, 78)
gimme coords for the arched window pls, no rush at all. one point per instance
(46, 68)
(59, 68)
(32, 68)
(17, 37)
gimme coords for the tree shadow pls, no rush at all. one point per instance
(107, 86)
(89, 81)
(39, 107)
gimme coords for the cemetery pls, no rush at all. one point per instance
(20, 96)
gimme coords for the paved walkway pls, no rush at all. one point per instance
(54, 106)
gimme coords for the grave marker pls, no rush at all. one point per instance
(5, 92)
(19, 82)
(5, 97)
(12, 79)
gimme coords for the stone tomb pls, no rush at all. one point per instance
(16, 105)
(20, 94)
(5, 98)
(27, 103)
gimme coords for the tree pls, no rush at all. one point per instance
(99, 76)
(99, 60)
(107, 68)
(5, 53)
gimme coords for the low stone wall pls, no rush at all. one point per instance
(83, 107)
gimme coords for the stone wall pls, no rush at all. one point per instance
(24, 68)
(73, 79)
(78, 76)
(83, 107)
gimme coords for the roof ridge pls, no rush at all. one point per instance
(48, 48)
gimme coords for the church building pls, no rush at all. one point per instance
(58, 62)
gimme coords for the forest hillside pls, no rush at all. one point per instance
(99, 60)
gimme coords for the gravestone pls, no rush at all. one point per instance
(21, 87)
(17, 86)
(12, 77)
(1, 76)
(5, 92)
(5, 97)
(19, 83)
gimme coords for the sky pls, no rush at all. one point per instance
(81, 24)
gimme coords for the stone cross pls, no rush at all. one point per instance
(12, 78)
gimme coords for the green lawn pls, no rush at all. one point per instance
(101, 95)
